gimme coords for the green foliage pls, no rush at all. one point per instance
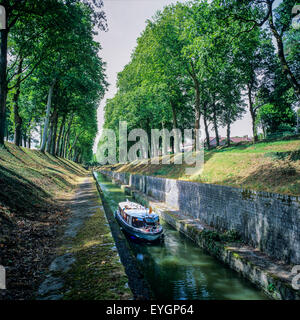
(202, 59)
(271, 287)
(277, 120)
(228, 236)
(54, 43)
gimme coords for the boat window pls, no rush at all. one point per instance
(126, 217)
(152, 222)
(137, 223)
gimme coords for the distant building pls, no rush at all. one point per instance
(213, 141)
(223, 141)
(239, 139)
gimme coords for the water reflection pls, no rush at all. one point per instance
(178, 269)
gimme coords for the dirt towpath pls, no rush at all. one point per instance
(87, 265)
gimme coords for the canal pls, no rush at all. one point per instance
(177, 269)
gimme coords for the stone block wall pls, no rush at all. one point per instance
(268, 221)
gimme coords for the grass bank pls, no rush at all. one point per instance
(33, 186)
(266, 166)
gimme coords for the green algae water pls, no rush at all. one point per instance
(177, 269)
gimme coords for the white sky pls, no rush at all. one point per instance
(126, 20)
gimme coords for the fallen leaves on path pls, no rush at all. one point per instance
(27, 250)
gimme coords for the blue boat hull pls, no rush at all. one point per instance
(136, 233)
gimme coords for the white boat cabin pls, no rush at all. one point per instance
(138, 216)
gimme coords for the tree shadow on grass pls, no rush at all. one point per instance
(56, 161)
(289, 155)
(69, 166)
(276, 177)
(52, 173)
(237, 147)
(21, 195)
(44, 157)
(15, 156)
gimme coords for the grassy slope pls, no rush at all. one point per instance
(31, 183)
(266, 166)
(30, 179)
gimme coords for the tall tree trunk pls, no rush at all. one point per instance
(206, 125)
(7, 132)
(49, 138)
(285, 67)
(75, 154)
(228, 134)
(67, 145)
(197, 102)
(59, 135)
(59, 151)
(29, 139)
(254, 129)
(50, 94)
(174, 126)
(28, 133)
(174, 115)
(197, 115)
(25, 139)
(67, 137)
(253, 114)
(298, 122)
(17, 118)
(74, 143)
(3, 83)
(41, 134)
(216, 125)
(51, 131)
(264, 131)
(54, 135)
(197, 107)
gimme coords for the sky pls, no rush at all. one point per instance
(126, 20)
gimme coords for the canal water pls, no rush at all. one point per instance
(177, 269)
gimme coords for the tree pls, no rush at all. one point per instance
(279, 106)
(190, 62)
(15, 12)
(40, 26)
(257, 13)
(274, 120)
(258, 64)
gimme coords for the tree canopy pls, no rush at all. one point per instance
(52, 78)
(209, 60)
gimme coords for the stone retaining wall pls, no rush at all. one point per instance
(268, 221)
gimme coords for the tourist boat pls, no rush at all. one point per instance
(139, 221)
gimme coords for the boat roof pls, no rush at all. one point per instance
(131, 205)
(136, 210)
